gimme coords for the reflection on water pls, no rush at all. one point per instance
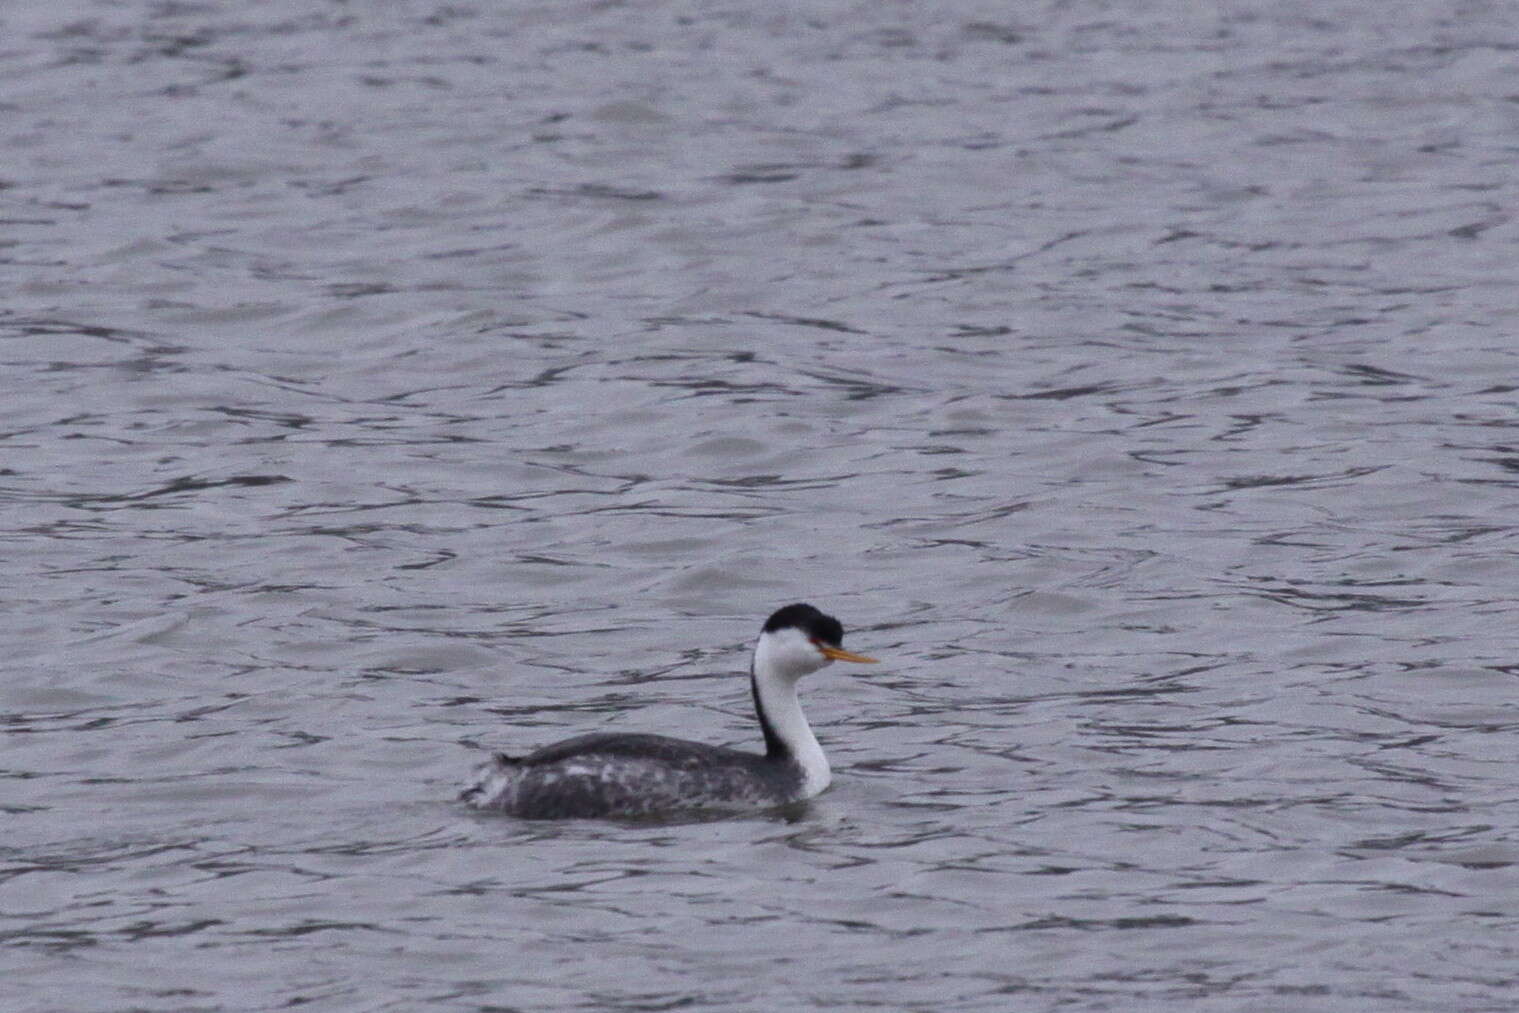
(1137, 382)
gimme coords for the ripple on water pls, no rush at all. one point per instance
(367, 411)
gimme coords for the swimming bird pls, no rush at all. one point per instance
(633, 775)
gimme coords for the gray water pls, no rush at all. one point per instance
(388, 382)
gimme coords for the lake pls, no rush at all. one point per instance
(386, 384)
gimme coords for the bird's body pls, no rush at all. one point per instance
(631, 776)
(634, 775)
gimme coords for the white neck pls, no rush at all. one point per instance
(780, 659)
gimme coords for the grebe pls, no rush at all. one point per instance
(630, 775)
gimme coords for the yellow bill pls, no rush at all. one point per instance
(839, 654)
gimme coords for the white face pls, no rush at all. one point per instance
(788, 652)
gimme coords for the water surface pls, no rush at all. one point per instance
(387, 383)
